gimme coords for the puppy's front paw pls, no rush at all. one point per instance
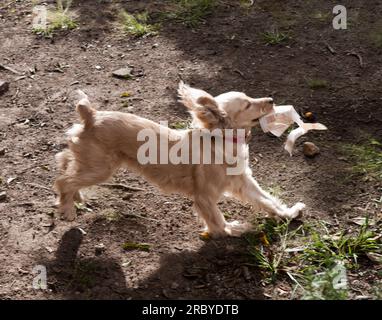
(236, 229)
(68, 214)
(296, 210)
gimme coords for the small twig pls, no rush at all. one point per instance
(139, 99)
(352, 53)
(240, 73)
(20, 78)
(39, 186)
(121, 186)
(330, 48)
(16, 94)
(9, 69)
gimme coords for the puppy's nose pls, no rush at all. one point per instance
(270, 100)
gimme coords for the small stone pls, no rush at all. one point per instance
(82, 230)
(127, 263)
(98, 67)
(174, 285)
(48, 224)
(4, 86)
(123, 73)
(99, 248)
(49, 249)
(3, 196)
(310, 149)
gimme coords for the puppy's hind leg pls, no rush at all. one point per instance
(63, 160)
(210, 213)
(66, 190)
(216, 226)
(81, 173)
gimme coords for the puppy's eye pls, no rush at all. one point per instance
(247, 106)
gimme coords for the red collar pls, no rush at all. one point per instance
(233, 139)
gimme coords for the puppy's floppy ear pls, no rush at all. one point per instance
(202, 106)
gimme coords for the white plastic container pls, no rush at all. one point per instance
(281, 118)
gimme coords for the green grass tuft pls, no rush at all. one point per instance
(315, 259)
(180, 125)
(276, 191)
(367, 157)
(325, 249)
(138, 25)
(246, 4)
(323, 17)
(111, 215)
(58, 19)
(191, 12)
(315, 84)
(275, 37)
(269, 261)
(376, 38)
(136, 246)
(330, 284)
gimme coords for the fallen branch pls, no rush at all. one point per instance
(9, 69)
(121, 186)
(355, 54)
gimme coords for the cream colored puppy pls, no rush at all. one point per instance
(106, 141)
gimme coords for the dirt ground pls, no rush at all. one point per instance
(224, 53)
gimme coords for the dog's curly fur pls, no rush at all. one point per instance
(106, 141)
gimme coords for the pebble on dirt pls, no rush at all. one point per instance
(123, 73)
(99, 249)
(3, 196)
(4, 86)
(310, 149)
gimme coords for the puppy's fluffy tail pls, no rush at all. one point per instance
(85, 109)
